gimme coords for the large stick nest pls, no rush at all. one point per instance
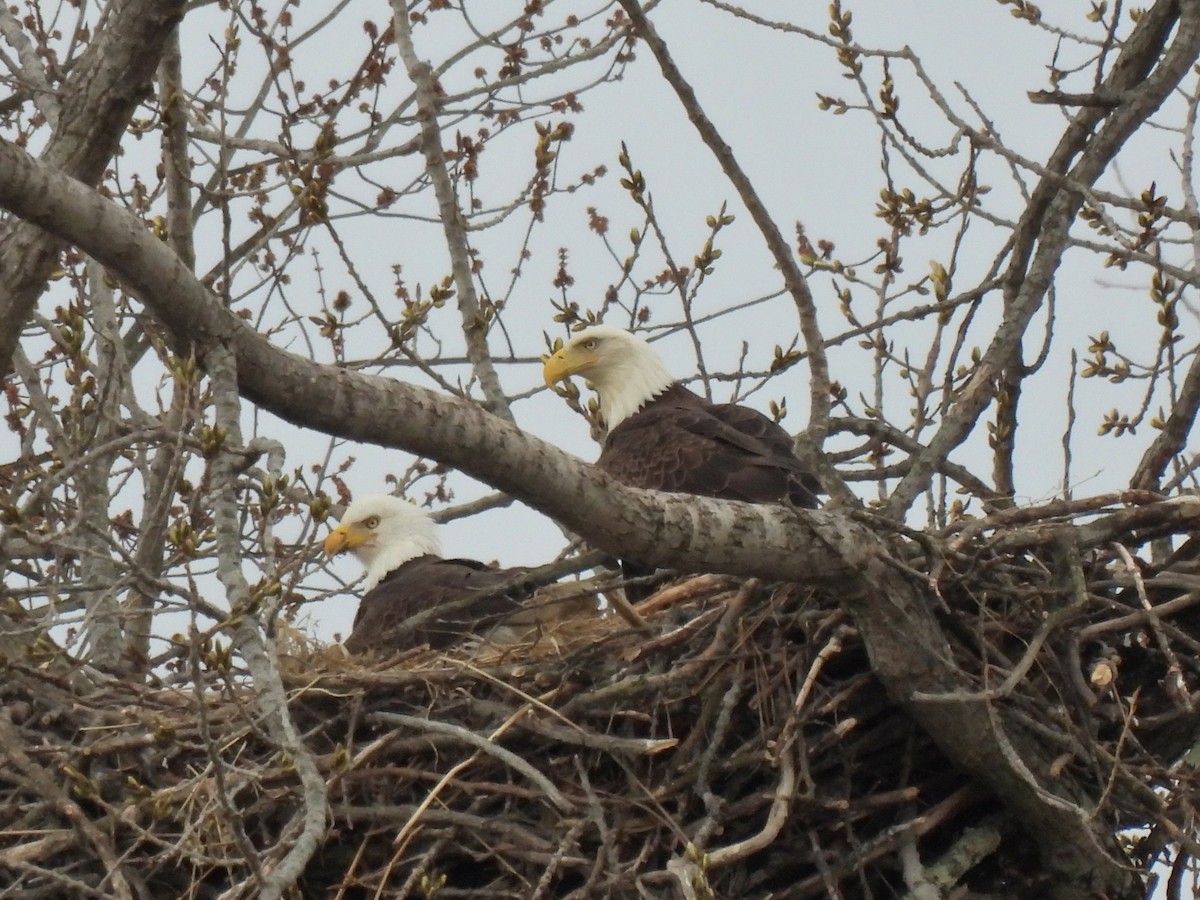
(741, 747)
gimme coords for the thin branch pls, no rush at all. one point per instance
(487, 745)
(793, 279)
(269, 690)
(474, 322)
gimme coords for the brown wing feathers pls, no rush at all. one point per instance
(682, 443)
(435, 601)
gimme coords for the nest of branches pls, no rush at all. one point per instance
(739, 746)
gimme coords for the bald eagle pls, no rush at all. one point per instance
(663, 437)
(413, 595)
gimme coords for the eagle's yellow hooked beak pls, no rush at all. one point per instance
(568, 361)
(347, 536)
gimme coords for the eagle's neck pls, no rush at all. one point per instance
(391, 554)
(629, 384)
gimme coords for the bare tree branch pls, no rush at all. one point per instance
(474, 323)
(1144, 75)
(1173, 436)
(97, 100)
(261, 661)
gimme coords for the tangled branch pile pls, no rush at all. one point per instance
(740, 748)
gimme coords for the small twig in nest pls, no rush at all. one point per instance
(487, 745)
(1177, 684)
(693, 866)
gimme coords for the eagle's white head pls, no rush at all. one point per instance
(624, 369)
(384, 532)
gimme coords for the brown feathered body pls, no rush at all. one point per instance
(682, 443)
(435, 601)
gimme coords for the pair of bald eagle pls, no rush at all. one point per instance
(661, 436)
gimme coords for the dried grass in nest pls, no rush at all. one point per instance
(741, 748)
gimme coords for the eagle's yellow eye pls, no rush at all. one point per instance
(371, 521)
(590, 343)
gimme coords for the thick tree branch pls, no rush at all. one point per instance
(104, 630)
(308, 824)
(33, 68)
(165, 469)
(1174, 434)
(177, 166)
